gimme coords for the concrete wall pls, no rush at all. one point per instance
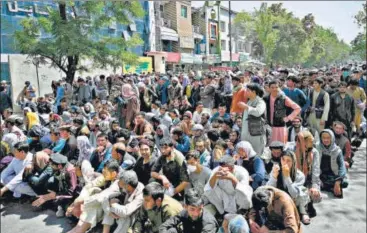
(22, 70)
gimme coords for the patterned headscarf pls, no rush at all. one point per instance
(127, 91)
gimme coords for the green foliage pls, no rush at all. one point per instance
(67, 38)
(359, 43)
(281, 38)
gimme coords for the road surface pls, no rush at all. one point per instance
(333, 215)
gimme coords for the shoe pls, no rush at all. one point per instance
(60, 212)
(305, 219)
(311, 210)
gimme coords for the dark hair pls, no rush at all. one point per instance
(261, 198)
(213, 135)
(112, 165)
(222, 104)
(319, 80)
(102, 135)
(63, 99)
(353, 82)
(342, 84)
(256, 88)
(272, 82)
(123, 133)
(205, 114)
(177, 132)
(193, 198)
(55, 131)
(22, 146)
(193, 154)
(155, 190)
(166, 142)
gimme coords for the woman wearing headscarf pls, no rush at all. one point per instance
(7, 143)
(333, 171)
(286, 177)
(234, 223)
(308, 161)
(253, 128)
(39, 174)
(247, 158)
(34, 131)
(85, 148)
(131, 107)
(88, 111)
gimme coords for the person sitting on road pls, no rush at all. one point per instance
(157, 208)
(333, 171)
(193, 219)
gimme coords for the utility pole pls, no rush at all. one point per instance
(230, 34)
(219, 49)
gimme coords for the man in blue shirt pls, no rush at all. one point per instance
(181, 141)
(221, 113)
(295, 94)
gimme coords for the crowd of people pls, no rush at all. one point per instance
(188, 152)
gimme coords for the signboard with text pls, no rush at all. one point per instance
(145, 66)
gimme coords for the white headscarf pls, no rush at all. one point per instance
(247, 147)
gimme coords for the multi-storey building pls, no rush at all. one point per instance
(12, 13)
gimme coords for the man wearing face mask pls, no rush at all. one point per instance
(198, 174)
(157, 208)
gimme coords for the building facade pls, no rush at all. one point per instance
(12, 13)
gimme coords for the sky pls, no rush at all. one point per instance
(337, 15)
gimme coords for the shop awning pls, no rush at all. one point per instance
(168, 34)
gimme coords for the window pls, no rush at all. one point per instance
(184, 11)
(223, 45)
(213, 31)
(161, 8)
(222, 26)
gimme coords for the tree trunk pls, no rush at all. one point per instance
(72, 60)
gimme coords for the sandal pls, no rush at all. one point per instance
(305, 219)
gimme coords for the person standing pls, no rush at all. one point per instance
(276, 114)
(342, 108)
(131, 107)
(359, 97)
(207, 93)
(255, 108)
(320, 106)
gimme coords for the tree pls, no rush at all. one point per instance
(72, 32)
(359, 43)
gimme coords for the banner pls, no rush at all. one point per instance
(187, 58)
(198, 59)
(144, 66)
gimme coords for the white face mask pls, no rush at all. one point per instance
(191, 168)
